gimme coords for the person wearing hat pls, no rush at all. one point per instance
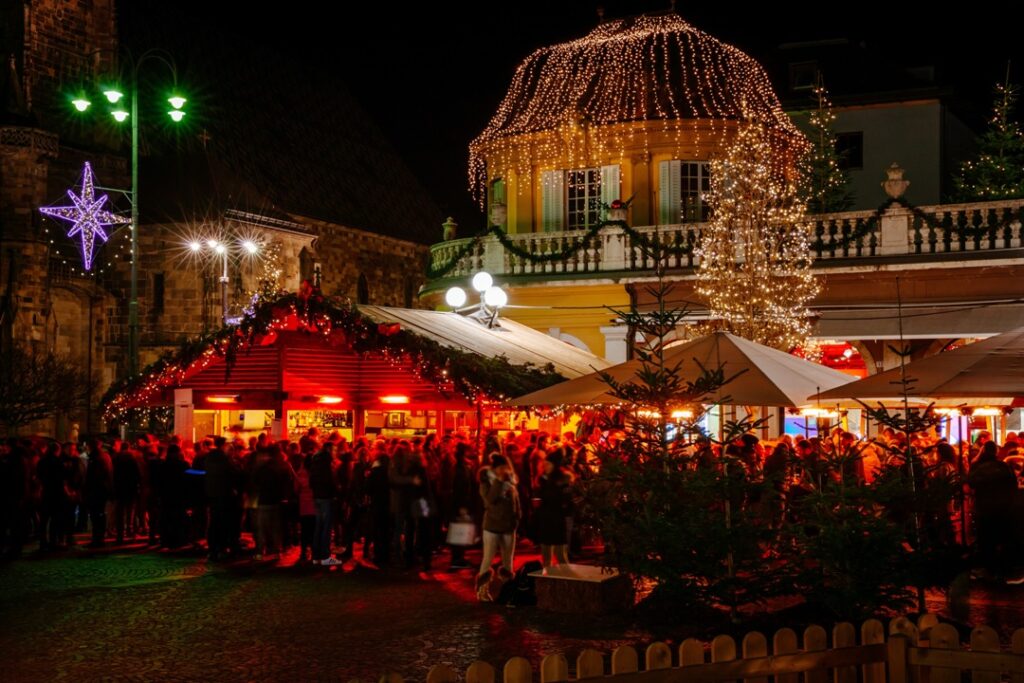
(502, 513)
(555, 493)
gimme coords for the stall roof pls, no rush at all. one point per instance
(517, 342)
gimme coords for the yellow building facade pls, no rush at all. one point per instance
(631, 113)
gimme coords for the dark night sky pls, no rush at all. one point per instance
(432, 74)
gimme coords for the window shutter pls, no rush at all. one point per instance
(552, 190)
(610, 186)
(669, 188)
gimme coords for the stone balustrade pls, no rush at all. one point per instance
(895, 233)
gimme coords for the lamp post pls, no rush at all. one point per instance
(114, 97)
(220, 249)
(492, 298)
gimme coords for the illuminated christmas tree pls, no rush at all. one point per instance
(825, 185)
(998, 171)
(269, 285)
(755, 261)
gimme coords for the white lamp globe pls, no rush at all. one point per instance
(455, 297)
(495, 297)
(482, 281)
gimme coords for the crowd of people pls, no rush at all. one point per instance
(396, 498)
(403, 500)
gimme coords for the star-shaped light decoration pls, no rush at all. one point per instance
(87, 216)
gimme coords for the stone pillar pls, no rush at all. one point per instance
(616, 346)
(494, 256)
(183, 414)
(895, 232)
(612, 248)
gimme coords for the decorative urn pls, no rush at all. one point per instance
(451, 229)
(894, 184)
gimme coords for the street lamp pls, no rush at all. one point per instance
(492, 298)
(115, 96)
(220, 248)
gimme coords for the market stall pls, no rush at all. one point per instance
(302, 362)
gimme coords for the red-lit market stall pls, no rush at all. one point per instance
(302, 362)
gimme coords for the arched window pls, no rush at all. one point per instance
(362, 290)
(409, 292)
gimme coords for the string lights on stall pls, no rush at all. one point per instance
(451, 371)
(588, 99)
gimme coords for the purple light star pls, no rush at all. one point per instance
(87, 216)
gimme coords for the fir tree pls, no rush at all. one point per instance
(998, 171)
(825, 184)
(755, 260)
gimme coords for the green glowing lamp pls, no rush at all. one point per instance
(120, 115)
(176, 115)
(113, 96)
(80, 103)
(177, 101)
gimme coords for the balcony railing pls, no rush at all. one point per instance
(896, 232)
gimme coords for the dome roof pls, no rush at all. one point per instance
(646, 68)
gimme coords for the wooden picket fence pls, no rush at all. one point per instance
(926, 652)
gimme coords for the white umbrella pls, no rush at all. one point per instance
(992, 368)
(763, 376)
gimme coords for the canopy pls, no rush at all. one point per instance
(769, 377)
(992, 368)
(520, 344)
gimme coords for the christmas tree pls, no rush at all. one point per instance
(755, 261)
(269, 282)
(998, 171)
(825, 184)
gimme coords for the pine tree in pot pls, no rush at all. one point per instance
(678, 519)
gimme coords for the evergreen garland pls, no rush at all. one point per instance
(962, 232)
(677, 247)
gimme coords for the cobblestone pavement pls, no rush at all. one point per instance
(134, 616)
(128, 615)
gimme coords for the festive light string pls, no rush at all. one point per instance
(572, 104)
(755, 261)
(448, 370)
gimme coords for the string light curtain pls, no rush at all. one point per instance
(576, 103)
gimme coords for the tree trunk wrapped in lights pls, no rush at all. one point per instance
(755, 260)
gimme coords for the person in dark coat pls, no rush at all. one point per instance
(462, 498)
(99, 488)
(400, 481)
(323, 480)
(357, 503)
(15, 490)
(419, 536)
(174, 490)
(52, 479)
(379, 490)
(554, 488)
(223, 495)
(274, 484)
(152, 483)
(127, 481)
(994, 486)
